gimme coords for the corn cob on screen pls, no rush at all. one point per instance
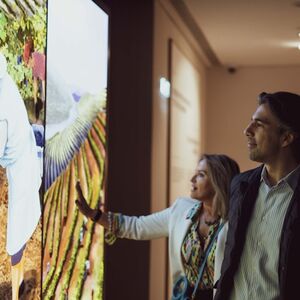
(77, 55)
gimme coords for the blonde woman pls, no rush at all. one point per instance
(192, 223)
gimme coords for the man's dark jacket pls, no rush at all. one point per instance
(244, 191)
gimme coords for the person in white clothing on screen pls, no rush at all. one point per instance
(18, 155)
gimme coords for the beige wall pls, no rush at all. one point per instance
(167, 25)
(228, 102)
(232, 99)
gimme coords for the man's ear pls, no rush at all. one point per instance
(287, 138)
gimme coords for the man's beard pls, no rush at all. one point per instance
(256, 156)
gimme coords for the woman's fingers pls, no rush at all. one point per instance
(80, 206)
(84, 209)
(79, 190)
(81, 202)
(81, 199)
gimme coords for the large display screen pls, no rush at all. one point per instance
(75, 150)
(22, 45)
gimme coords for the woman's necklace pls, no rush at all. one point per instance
(208, 221)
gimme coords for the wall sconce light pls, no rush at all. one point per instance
(165, 87)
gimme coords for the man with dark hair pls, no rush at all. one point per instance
(261, 259)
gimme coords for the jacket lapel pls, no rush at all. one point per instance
(242, 203)
(247, 195)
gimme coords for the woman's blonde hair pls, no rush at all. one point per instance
(221, 169)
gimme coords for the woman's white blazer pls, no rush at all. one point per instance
(172, 222)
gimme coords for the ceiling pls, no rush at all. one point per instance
(245, 32)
